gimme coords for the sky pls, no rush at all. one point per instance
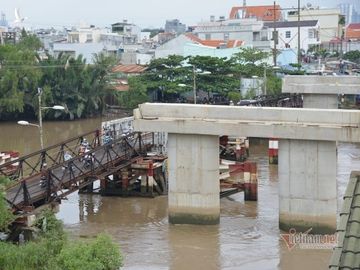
(145, 13)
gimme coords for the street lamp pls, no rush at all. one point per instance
(195, 72)
(40, 126)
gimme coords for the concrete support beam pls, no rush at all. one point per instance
(193, 179)
(324, 85)
(235, 114)
(286, 123)
(307, 186)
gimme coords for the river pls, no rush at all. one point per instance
(246, 238)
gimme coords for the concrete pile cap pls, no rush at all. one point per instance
(322, 85)
(284, 123)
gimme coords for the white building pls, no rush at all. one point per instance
(250, 31)
(288, 34)
(173, 47)
(87, 50)
(189, 45)
(328, 20)
(131, 32)
(85, 34)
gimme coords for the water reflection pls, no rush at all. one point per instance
(194, 247)
(26, 140)
(298, 259)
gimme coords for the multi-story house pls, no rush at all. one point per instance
(288, 34)
(175, 26)
(251, 31)
(329, 20)
(130, 32)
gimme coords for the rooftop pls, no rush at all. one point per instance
(264, 13)
(129, 69)
(347, 254)
(215, 42)
(353, 31)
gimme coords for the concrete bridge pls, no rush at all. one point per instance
(307, 151)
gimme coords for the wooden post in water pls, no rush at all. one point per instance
(150, 177)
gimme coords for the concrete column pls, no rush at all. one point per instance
(320, 101)
(193, 179)
(307, 186)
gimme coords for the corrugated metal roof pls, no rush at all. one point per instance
(347, 254)
(128, 69)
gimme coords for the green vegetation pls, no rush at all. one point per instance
(353, 56)
(83, 89)
(136, 95)
(72, 83)
(170, 77)
(51, 249)
(6, 217)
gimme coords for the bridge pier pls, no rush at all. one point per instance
(307, 186)
(193, 179)
(308, 169)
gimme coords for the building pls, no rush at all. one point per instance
(181, 45)
(328, 19)
(262, 13)
(130, 32)
(122, 74)
(87, 50)
(350, 13)
(288, 34)
(175, 26)
(250, 31)
(352, 32)
(3, 21)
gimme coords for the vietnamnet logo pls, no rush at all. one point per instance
(305, 240)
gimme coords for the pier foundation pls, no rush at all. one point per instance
(307, 186)
(193, 179)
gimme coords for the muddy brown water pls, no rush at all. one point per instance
(246, 238)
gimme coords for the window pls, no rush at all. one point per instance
(207, 36)
(288, 34)
(226, 36)
(311, 33)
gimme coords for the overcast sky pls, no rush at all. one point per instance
(145, 13)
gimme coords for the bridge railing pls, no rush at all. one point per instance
(32, 164)
(58, 181)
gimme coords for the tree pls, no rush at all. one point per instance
(274, 85)
(165, 75)
(65, 80)
(220, 78)
(136, 95)
(18, 79)
(52, 249)
(250, 62)
(6, 216)
(353, 56)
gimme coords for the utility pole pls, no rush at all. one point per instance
(299, 49)
(40, 120)
(275, 36)
(194, 88)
